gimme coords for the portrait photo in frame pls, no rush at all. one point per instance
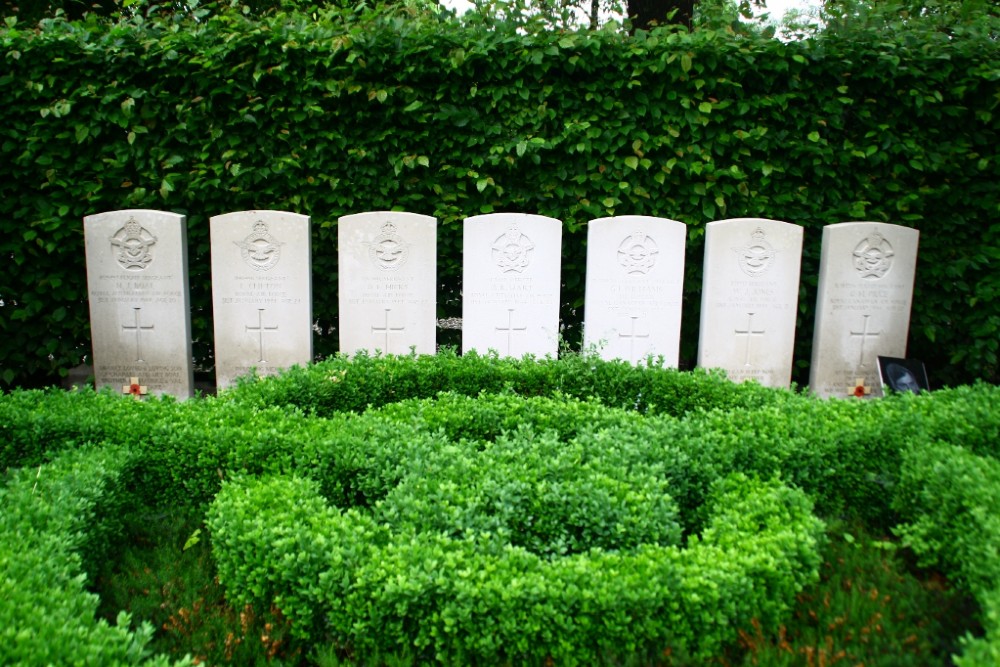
(902, 375)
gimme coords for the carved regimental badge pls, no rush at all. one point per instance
(755, 257)
(388, 251)
(259, 249)
(131, 246)
(637, 253)
(511, 251)
(873, 257)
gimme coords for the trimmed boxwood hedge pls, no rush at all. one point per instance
(411, 586)
(923, 464)
(58, 522)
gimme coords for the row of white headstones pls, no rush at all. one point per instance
(262, 294)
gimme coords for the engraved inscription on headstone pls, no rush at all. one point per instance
(261, 293)
(140, 316)
(635, 281)
(749, 299)
(510, 295)
(862, 305)
(388, 282)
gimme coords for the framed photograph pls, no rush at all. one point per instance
(902, 375)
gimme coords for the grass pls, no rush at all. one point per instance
(871, 607)
(166, 575)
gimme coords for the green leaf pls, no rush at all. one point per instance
(813, 136)
(193, 539)
(686, 62)
(632, 162)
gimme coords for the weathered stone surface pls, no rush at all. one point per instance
(635, 283)
(388, 282)
(261, 292)
(140, 315)
(510, 294)
(749, 299)
(862, 305)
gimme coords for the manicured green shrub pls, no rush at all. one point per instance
(355, 384)
(451, 481)
(466, 599)
(948, 498)
(58, 521)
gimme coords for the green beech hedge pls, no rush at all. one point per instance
(332, 114)
(335, 517)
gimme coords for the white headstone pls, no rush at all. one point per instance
(140, 315)
(863, 304)
(388, 282)
(749, 299)
(261, 293)
(510, 287)
(635, 285)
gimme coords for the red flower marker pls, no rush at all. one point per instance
(859, 390)
(134, 388)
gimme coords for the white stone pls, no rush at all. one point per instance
(388, 282)
(749, 299)
(140, 314)
(510, 288)
(261, 293)
(635, 284)
(862, 305)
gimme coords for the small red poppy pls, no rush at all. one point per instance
(135, 390)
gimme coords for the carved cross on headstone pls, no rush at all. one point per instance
(387, 330)
(859, 390)
(260, 329)
(749, 332)
(133, 387)
(632, 336)
(138, 329)
(510, 328)
(864, 334)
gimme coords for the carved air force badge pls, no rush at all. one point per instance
(132, 245)
(388, 251)
(259, 249)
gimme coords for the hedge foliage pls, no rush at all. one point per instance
(58, 522)
(410, 586)
(332, 114)
(351, 521)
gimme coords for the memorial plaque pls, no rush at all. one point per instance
(749, 299)
(261, 293)
(862, 305)
(140, 315)
(510, 292)
(388, 282)
(635, 284)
